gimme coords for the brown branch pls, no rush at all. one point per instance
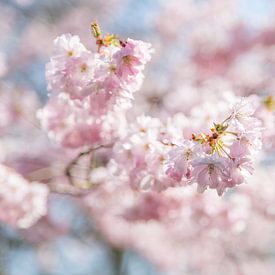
(73, 163)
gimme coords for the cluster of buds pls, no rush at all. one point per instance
(107, 40)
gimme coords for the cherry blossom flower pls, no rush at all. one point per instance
(210, 171)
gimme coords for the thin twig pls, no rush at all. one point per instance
(73, 163)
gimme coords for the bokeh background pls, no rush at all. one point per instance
(200, 46)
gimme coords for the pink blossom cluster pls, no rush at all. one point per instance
(91, 91)
(142, 152)
(87, 107)
(156, 155)
(222, 158)
(22, 202)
